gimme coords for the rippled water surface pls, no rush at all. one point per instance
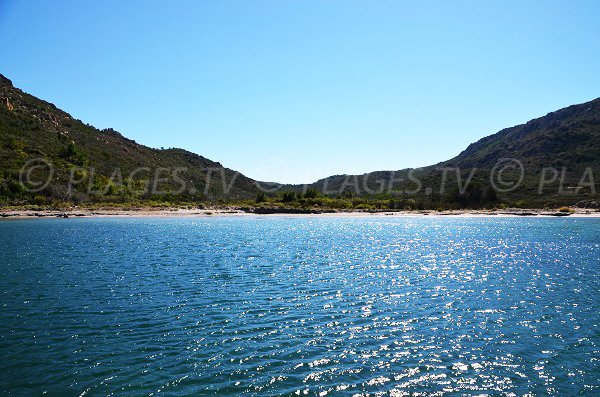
(311, 306)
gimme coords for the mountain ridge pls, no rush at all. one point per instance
(32, 128)
(35, 127)
(566, 138)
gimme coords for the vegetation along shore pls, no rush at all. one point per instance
(50, 160)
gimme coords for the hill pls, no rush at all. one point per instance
(550, 160)
(48, 156)
(82, 163)
(568, 137)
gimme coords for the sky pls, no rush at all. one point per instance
(294, 91)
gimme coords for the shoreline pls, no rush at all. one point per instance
(225, 212)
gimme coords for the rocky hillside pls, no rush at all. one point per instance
(559, 152)
(46, 155)
(96, 165)
(568, 137)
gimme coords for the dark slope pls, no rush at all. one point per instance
(104, 166)
(568, 137)
(102, 160)
(567, 140)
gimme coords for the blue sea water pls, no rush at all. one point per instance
(266, 306)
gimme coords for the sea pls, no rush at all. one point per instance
(300, 305)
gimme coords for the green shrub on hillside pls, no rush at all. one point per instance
(288, 197)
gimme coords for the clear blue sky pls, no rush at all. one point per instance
(293, 91)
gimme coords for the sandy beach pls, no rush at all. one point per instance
(220, 212)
